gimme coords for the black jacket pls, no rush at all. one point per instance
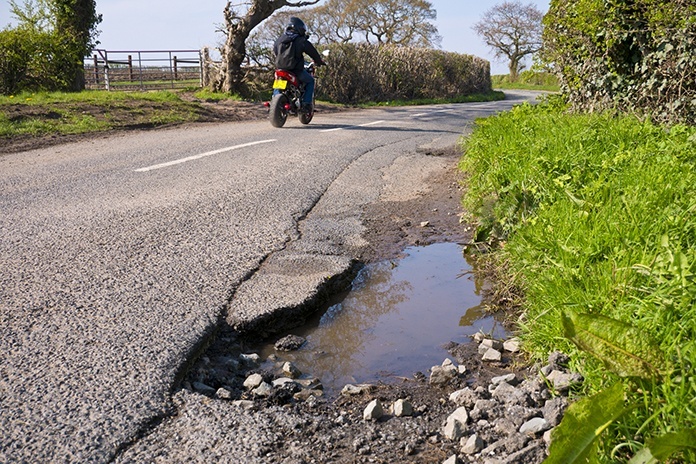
(301, 45)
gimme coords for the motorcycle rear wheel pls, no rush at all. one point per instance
(278, 114)
(306, 118)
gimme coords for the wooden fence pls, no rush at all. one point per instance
(143, 70)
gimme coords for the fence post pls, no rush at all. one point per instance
(130, 68)
(106, 70)
(96, 70)
(201, 63)
(176, 73)
(140, 71)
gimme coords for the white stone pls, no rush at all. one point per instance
(562, 381)
(535, 425)
(473, 445)
(402, 408)
(492, 355)
(455, 425)
(253, 381)
(461, 369)
(452, 460)
(244, 404)
(512, 345)
(373, 411)
(282, 381)
(490, 343)
(350, 389)
(263, 390)
(442, 375)
(507, 378)
(223, 393)
(291, 370)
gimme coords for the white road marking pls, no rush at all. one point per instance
(202, 155)
(359, 125)
(371, 123)
(419, 115)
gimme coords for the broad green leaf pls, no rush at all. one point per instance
(572, 441)
(664, 446)
(623, 348)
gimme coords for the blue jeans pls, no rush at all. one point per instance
(308, 81)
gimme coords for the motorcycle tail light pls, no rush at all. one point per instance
(287, 107)
(267, 104)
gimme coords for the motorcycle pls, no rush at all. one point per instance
(288, 95)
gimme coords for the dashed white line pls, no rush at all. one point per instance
(359, 125)
(371, 123)
(202, 155)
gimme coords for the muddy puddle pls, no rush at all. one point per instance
(395, 320)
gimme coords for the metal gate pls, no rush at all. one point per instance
(143, 70)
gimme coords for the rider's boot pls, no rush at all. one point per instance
(306, 108)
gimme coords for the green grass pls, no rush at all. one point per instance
(597, 216)
(98, 97)
(527, 80)
(89, 111)
(208, 95)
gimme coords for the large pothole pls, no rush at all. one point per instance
(395, 321)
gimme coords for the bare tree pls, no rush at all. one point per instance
(237, 29)
(513, 31)
(334, 21)
(398, 22)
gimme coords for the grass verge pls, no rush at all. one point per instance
(527, 80)
(43, 113)
(595, 216)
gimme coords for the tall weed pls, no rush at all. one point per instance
(596, 213)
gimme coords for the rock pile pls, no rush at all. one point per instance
(506, 418)
(510, 420)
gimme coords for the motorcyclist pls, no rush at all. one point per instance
(289, 52)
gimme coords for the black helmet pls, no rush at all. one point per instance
(297, 26)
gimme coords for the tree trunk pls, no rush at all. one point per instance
(238, 28)
(514, 68)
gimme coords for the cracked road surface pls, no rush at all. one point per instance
(120, 256)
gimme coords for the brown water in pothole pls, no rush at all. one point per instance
(395, 320)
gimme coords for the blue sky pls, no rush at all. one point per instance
(176, 24)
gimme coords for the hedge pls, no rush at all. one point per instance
(633, 55)
(360, 73)
(32, 61)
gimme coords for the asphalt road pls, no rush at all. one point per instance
(120, 256)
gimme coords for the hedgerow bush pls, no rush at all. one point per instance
(32, 61)
(361, 73)
(634, 55)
